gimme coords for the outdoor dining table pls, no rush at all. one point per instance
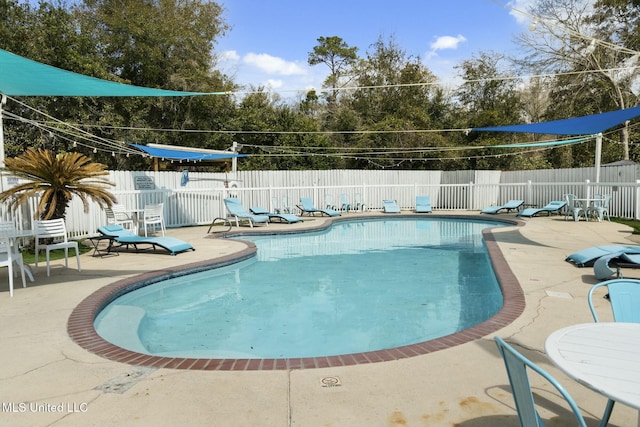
(22, 234)
(603, 356)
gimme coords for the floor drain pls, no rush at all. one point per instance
(124, 382)
(330, 382)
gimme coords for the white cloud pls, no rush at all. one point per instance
(274, 84)
(520, 10)
(229, 55)
(447, 42)
(273, 64)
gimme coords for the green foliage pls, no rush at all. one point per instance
(57, 178)
(381, 108)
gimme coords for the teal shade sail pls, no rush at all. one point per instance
(20, 76)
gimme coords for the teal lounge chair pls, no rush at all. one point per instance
(390, 206)
(511, 205)
(280, 217)
(587, 257)
(612, 264)
(423, 204)
(306, 206)
(239, 213)
(124, 237)
(553, 207)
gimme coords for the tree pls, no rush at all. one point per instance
(336, 54)
(489, 97)
(589, 48)
(58, 178)
(396, 95)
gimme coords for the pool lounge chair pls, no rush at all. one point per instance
(280, 217)
(511, 205)
(423, 204)
(306, 206)
(553, 207)
(390, 206)
(587, 257)
(238, 213)
(124, 237)
(612, 264)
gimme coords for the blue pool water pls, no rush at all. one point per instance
(358, 286)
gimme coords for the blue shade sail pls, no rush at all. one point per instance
(185, 154)
(584, 125)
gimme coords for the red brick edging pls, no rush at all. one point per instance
(81, 330)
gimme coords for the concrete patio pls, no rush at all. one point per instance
(46, 379)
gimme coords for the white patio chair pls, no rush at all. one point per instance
(52, 234)
(153, 216)
(10, 253)
(117, 215)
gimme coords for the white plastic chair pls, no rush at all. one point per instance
(117, 215)
(574, 208)
(10, 253)
(54, 232)
(153, 216)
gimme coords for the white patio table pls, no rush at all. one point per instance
(603, 356)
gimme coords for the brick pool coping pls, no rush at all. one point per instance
(81, 330)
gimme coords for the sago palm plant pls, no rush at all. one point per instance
(57, 178)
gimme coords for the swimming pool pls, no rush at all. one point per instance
(359, 286)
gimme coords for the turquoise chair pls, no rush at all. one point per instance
(423, 204)
(624, 295)
(517, 365)
(344, 203)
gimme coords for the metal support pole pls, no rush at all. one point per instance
(598, 156)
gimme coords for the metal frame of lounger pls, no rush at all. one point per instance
(282, 217)
(511, 205)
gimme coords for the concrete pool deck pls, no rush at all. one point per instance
(46, 379)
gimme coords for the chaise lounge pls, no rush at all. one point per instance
(306, 206)
(239, 213)
(587, 257)
(511, 205)
(552, 207)
(280, 217)
(123, 237)
(390, 206)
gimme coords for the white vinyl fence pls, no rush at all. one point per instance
(197, 198)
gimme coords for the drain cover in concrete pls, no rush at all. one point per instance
(559, 294)
(330, 382)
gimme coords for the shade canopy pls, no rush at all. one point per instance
(584, 125)
(23, 77)
(171, 152)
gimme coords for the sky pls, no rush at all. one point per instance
(270, 40)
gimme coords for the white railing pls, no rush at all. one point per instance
(188, 207)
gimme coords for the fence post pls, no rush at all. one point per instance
(636, 202)
(470, 196)
(587, 189)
